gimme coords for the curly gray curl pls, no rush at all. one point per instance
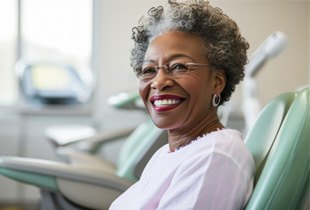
(225, 48)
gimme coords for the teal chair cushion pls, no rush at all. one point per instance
(261, 137)
(284, 177)
(138, 143)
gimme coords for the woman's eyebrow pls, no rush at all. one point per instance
(170, 58)
(179, 56)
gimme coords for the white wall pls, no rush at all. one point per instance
(257, 19)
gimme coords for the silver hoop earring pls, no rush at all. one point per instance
(216, 100)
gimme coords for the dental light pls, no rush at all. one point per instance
(272, 46)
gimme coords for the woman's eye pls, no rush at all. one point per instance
(179, 67)
(149, 70)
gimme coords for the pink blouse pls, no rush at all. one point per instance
(216, 172)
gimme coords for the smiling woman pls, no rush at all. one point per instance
(188, 57)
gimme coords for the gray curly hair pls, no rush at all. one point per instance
(225, 48)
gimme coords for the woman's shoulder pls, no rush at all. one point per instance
(222, 139)
(225, 143)
(226, 133)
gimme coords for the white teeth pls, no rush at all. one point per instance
(166, 102)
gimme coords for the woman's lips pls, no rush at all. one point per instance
(165, 102)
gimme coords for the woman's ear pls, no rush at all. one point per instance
(220, 81)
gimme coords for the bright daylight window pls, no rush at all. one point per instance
(8, 32)
(51, 30)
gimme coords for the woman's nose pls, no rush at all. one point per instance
(162, 80)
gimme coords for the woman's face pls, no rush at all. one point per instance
(179, 102)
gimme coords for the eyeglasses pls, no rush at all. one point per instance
(174, 69)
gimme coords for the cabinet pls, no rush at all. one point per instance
(9, 137)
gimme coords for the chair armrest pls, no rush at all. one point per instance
(89, 141)
(83, 185)
(52, 170)
(94, 143)
(75, 157)
(61, 135)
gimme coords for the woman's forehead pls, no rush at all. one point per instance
(175, 44)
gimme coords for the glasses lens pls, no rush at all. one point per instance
(178, 68)
(148, 72)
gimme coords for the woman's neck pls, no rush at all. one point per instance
(182, 137)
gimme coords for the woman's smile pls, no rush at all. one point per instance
(167, 102)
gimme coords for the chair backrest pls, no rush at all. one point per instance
(262, 135)
(138, 149)
(283, 173)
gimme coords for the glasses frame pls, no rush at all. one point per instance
(167, 69)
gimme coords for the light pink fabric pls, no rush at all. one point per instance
(214, 172)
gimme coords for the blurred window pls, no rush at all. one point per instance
(50, 31)
(8, 36)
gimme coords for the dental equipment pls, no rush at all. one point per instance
(272, 46)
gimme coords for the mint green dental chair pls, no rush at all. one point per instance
(88, 182)
(281, 153)
(138, 148)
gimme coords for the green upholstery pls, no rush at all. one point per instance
(134, 148)
(39, 180)
(260, 139)
(100, 183)
(283, 166)
(132, 142)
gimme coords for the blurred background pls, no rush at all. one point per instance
(80, 50)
